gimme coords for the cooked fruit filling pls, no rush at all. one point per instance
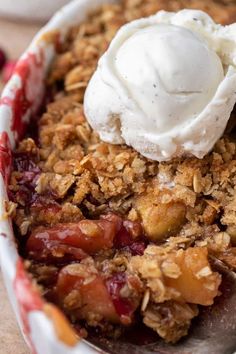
(112, 237)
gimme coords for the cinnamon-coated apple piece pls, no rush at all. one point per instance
(197, 282)
(82, 292)
(88, 236)
(159, 219)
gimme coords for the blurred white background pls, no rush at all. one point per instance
(30, 10)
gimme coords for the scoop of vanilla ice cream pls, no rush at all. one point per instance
(166, 85)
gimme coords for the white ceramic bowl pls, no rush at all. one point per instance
(40, 10)
(27, 84)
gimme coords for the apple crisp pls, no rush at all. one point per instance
(112, 237)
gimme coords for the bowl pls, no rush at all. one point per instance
(44, 327)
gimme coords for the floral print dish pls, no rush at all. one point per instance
(113, 239)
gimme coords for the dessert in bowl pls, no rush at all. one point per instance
(126, 223)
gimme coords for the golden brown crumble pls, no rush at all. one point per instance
(187, 207)
(171, 320)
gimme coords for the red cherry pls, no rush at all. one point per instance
(123, 306)
(8, 70)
